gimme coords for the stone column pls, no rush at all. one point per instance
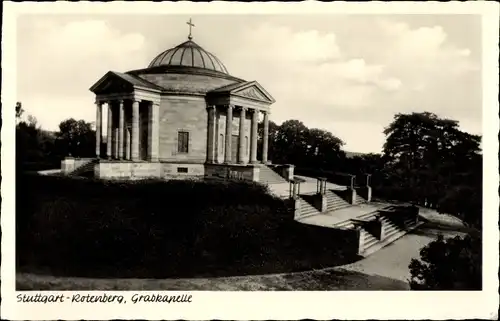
(135, 131)
(153, 131)
(211, 139)
(254, 134)
(109, 134)
(265, 137)
(116, 149)
(121, 131)
(241, 147)
(127, 144)
(98, 131)
(229, 134)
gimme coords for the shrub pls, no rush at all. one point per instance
(92, 224)
(448, 264)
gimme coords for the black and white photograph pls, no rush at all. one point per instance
(263, 151)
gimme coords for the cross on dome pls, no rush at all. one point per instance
(190, 37)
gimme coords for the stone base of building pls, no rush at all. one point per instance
(128, 170)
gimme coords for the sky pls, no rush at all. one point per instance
(348, 74)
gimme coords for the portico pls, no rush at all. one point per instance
(233, 117)
(238, 140)
(132, 129)
(132, 122)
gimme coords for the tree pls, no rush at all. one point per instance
(295, 143)
(34, 146)
(432, 163)
(76, 138)
(448, 264)
(19, 110)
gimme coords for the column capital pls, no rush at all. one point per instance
(99, 102)
(211, 107)
(230, 106)
(120, 101)
(243, 108)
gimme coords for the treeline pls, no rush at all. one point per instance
(38, 149)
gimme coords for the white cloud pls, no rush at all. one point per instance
(72, 56)
(61, 61)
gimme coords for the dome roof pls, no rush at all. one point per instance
(189, 54)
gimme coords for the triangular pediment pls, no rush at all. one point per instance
(111, 83)
(114, 82)
(250, 90)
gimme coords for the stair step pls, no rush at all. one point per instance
(390, 230)
(369, 244)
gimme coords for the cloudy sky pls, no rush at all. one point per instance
(349, 74)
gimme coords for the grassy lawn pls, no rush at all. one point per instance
(329, 279)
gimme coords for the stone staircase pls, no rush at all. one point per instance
(350, 224)
(306, 209)
(86, 169)
(269, 176)
(360, 200)
(335, 202)
(369, 242)
(392, 232)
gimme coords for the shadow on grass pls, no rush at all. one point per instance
(302, 248)
(200, 267)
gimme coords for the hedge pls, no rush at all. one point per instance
(85, 227)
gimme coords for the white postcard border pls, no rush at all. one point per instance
(266, 305)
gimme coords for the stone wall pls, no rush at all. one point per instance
(248, 172)
(183, 113)
(127, 170)
(182, 171)
(69, 164)
(143, 170)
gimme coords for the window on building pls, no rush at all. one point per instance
(246, 145)
(183, 142)
(182, 170)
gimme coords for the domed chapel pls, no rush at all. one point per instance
(183, 116)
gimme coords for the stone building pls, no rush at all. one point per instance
(184, 115)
